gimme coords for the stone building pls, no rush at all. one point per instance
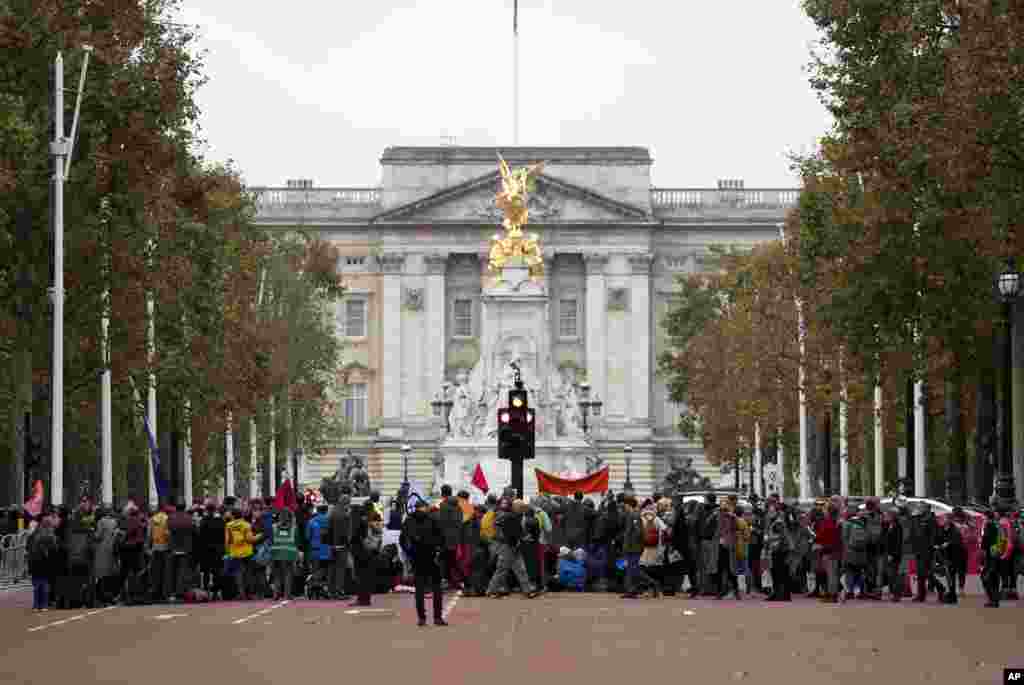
(421, 310)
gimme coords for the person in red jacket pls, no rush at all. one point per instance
(827, 545)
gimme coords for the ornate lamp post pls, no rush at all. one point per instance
(1009, 288)
(403, 490)
(441, 402)
(587, 405)
(628, 450)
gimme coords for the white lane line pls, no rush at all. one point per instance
(262, 612)
(450, 607)
(65, 621)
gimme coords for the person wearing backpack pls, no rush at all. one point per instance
(992, 544)
(777, 543)
(857, 543)
(874, 571)
(652, 558)
(1007, 542)
(42, 555)
(509, 534)
(238, 542)
(159, 549)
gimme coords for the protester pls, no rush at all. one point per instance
(42, 557)
(423, 539)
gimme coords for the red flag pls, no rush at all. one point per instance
(595, 482)
(479, 480)
(285, 497)
(34, 504)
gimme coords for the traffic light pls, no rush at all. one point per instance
(516, 428)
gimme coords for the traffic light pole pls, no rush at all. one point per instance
(516, 431)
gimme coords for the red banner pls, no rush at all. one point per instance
(553, 485)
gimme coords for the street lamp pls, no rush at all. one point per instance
(403, 490)
(1009, 288)
(628, 450)
(440, 402)
(587, 405)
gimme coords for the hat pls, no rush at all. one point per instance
(564, 552)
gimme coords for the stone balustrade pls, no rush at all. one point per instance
(712, 198)
(325, 203)
(315, 197)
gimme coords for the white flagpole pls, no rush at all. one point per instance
(59, 150)
(756, 485)
(254, 481)
(515, 73)
(844, 445)
(187, 454)
(229, 461)
(106, 426)
(805, 483)
(879, 454)
(154, 496)
(780, 463)
(272, 456)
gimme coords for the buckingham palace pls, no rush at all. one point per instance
(429, 335)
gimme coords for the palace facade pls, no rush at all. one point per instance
(422, 324)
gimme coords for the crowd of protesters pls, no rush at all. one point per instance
(618, 543)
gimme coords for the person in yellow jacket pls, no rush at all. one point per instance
(238, 542)
(744, 529)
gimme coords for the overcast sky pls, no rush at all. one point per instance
(317, 89)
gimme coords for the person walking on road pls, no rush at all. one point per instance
(423, 538)
(366, 546)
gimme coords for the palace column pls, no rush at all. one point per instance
(391, 266)
(640, 340)
(435, 266)
(596, 318)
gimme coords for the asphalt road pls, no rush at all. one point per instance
(552, 639)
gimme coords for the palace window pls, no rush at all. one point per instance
(568, 318)
(462, 319)
(352, 318)
(355, 407)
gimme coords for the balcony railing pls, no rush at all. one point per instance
(712, 198)
(316, 197)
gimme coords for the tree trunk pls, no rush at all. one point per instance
(819, 459)
(21, 418)
(956, 467)
(980, 475)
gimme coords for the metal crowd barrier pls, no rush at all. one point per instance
(13, 559)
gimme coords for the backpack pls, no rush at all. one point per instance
(237, 534)
(512, 528)
(709, 526)
(860, 537)
(874, 528)
(1002, 542)
(161, 533)
(651, 535)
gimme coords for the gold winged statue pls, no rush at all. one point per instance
(513, 200)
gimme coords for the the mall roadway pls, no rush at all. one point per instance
(558, 638)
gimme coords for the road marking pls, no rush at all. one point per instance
(262, 612)
(371, 612)
(168, 617)
(65, 621)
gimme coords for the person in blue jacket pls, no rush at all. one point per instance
(572, 570)
(320, 551)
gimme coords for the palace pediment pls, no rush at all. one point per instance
(554, 201)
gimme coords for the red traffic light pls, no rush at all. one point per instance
(504, 417)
